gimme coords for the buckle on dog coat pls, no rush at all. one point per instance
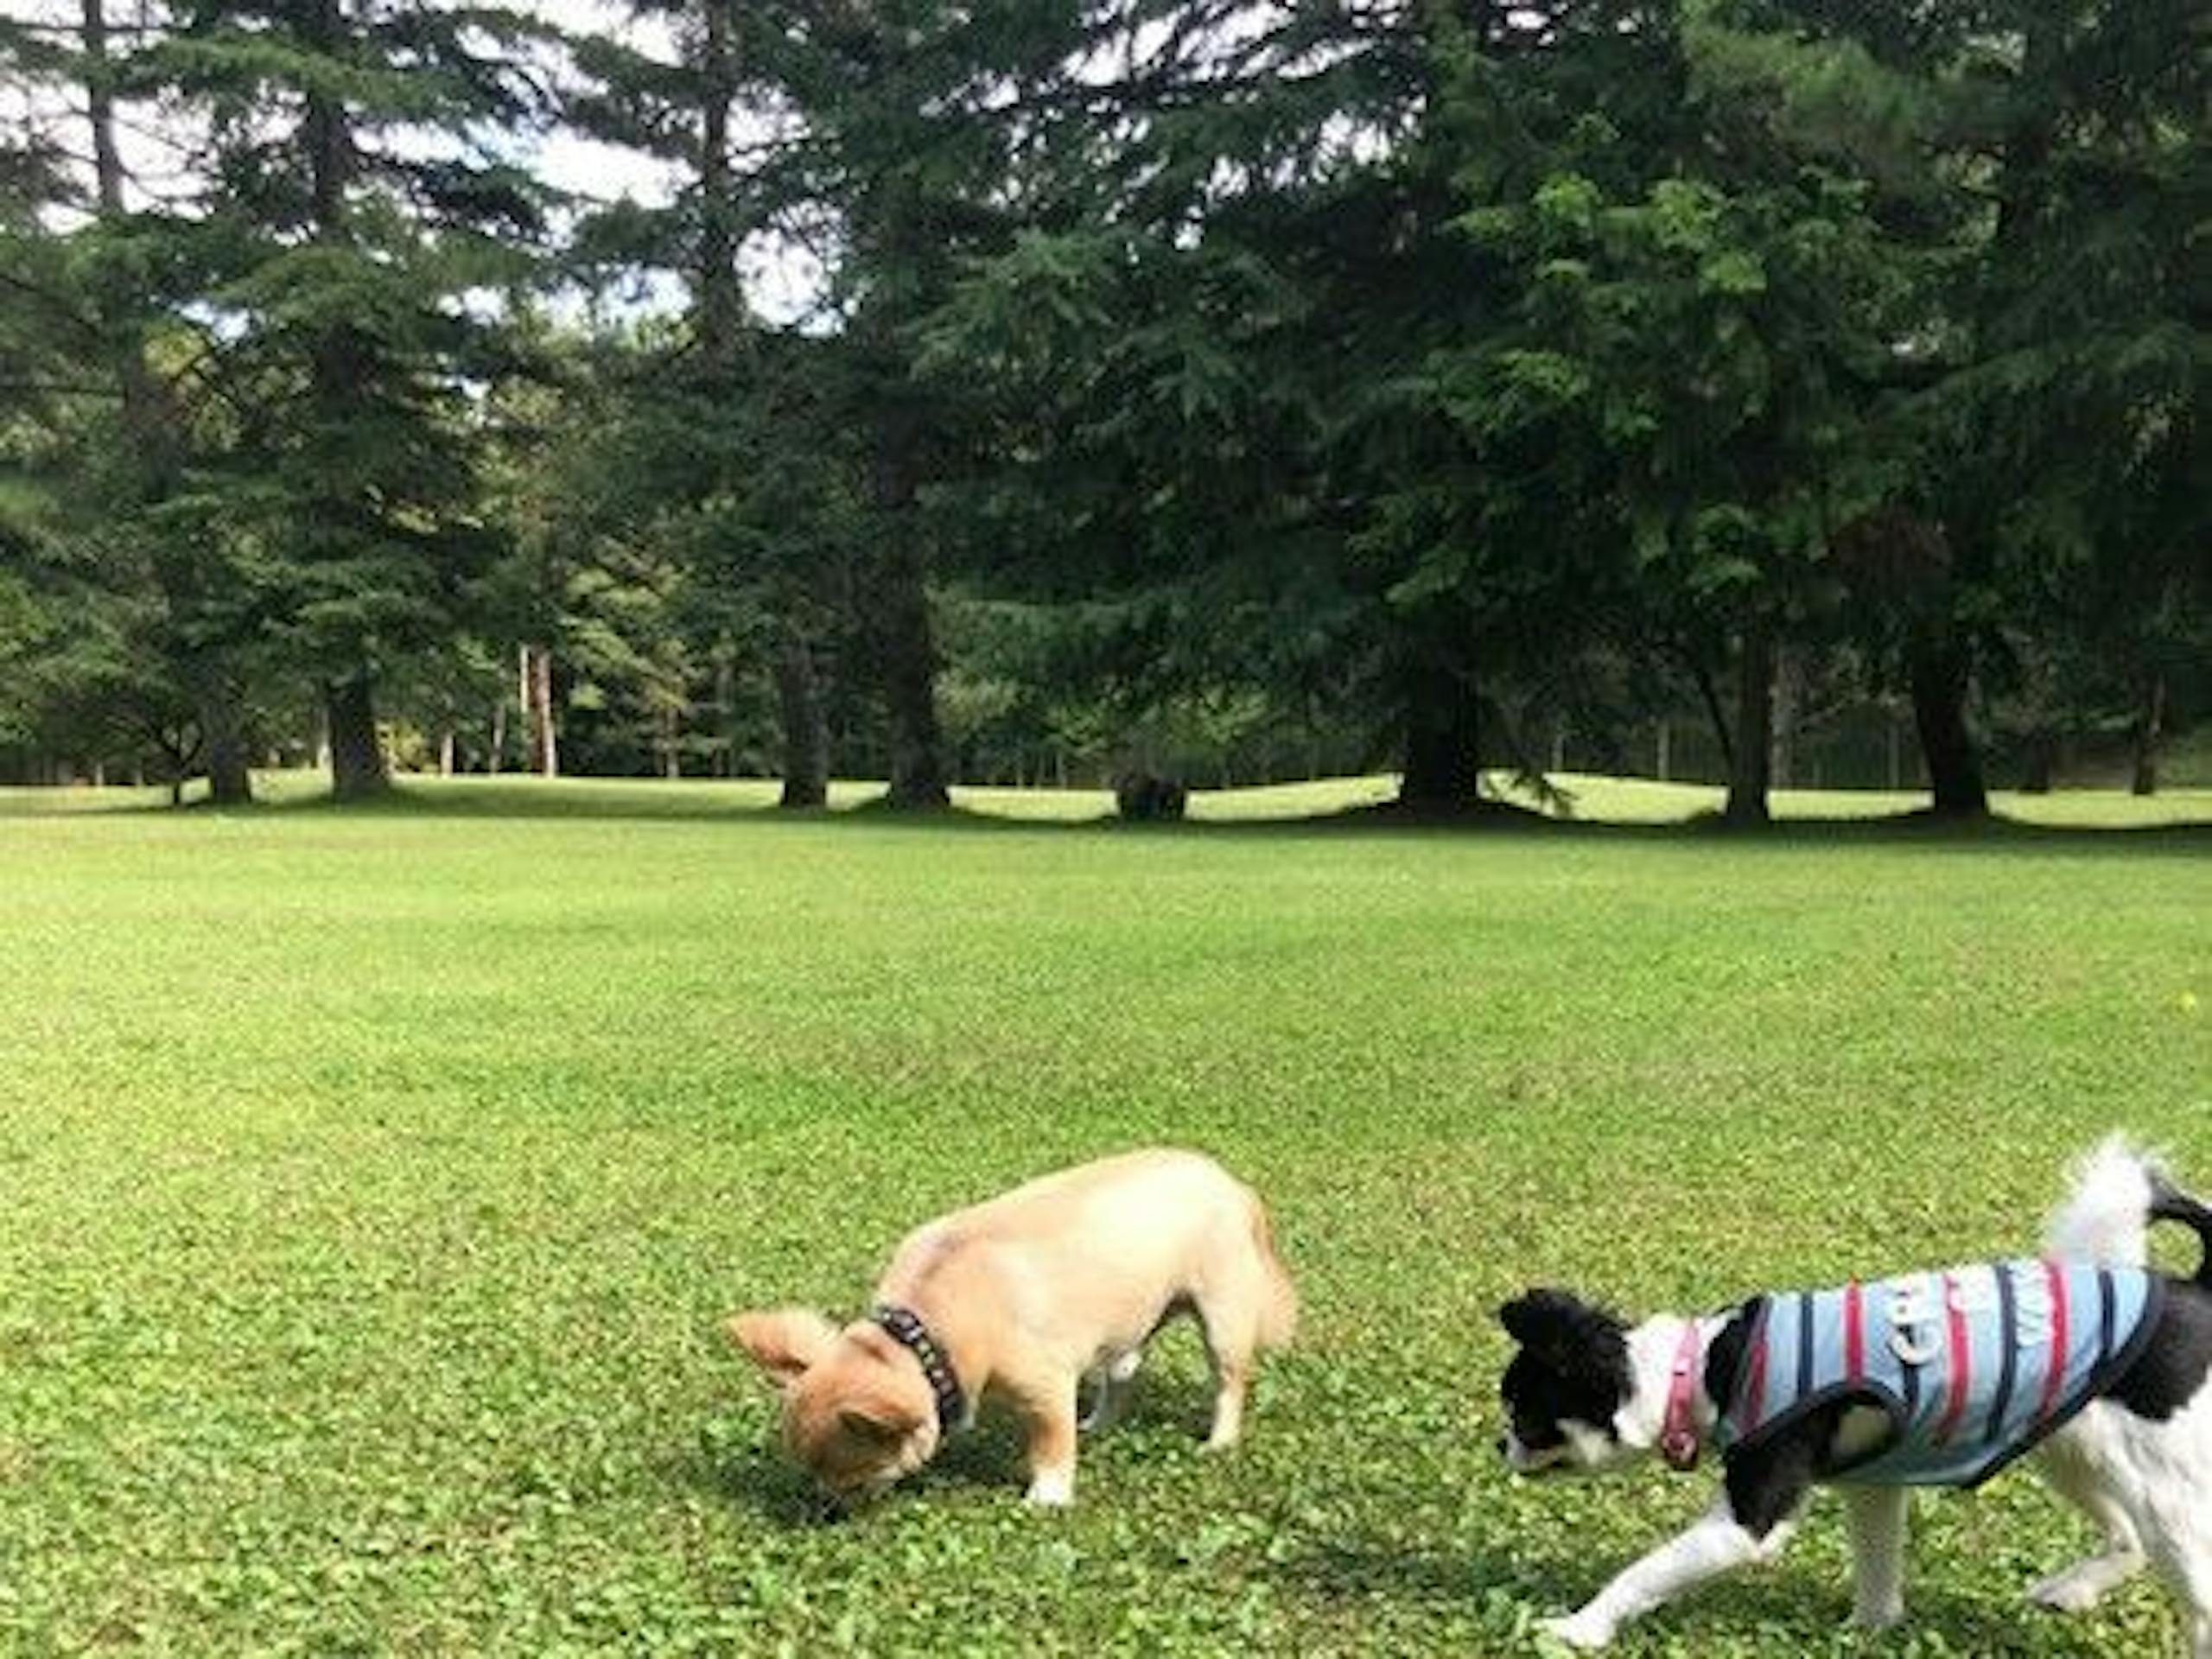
(903, 1327)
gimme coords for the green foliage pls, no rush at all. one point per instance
(1446, 369)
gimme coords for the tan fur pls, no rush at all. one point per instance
(1029, 1294)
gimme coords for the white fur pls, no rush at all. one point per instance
(2148, 1484)
(1051, 1489)
(1712, 1545)
(2105, 1217)
(1878, 1529)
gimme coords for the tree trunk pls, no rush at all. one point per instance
(446, 753)
(2149, 730)
(806, 733)
(496, 756)
(1751, 751)
(230, 782)
(537, 691)
(668, 737)
(1781, 746)
(1443, 733)
(905, 640)
(356, 768)
(726, 704)
(2039, 760)
(1939, 674)
(718, 311)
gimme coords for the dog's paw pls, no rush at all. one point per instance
(2070, 1592)
(1578, 1631)
(1054, 1491)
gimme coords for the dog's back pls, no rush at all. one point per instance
(1107, 1246)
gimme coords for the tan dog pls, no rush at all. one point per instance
(1021, 1300)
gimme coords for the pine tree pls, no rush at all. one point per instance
(358, 197)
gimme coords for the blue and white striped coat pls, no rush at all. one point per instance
(1974, 1365)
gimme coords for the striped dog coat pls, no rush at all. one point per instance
(1974, 1366)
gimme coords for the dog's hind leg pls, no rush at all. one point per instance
(1231, 1323)
(2071, 1463)
(1115, 1381)
(2185, 1528)
(1878, 1528)
(1232, 1380)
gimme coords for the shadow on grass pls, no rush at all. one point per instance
(764, 1481)
(989, 1457)
(1360, 1569)
(585, 800)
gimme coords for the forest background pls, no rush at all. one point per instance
(1768, 392)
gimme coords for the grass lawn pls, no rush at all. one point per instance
(376, 1179)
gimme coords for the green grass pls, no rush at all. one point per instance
(376, 1179)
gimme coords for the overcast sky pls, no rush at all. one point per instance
(783, 282)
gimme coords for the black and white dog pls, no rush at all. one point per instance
(2097, 1362)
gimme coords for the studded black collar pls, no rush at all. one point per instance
(903, 1327)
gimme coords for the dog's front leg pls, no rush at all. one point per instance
(1878, 1527)
(1716, 1543)
(1049, 1413)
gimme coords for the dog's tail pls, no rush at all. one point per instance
(2118, 1192)
(2170, 1203)
(1279, 1309)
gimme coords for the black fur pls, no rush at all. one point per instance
(1724, 1355)
(1765, 1483)
(1571, 1367)
(2175, 1357)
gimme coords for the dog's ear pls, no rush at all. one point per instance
(783, 1342)
(1568, 1334)
(1539, 1319)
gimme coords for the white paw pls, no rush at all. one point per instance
(1578, 1631)
(1884, 1617)
(1052, 1490)
(2070, 1592)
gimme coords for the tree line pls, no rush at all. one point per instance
(1187, 386)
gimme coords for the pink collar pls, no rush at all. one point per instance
(1678, 1435)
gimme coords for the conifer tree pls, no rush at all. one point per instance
(363, 210)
